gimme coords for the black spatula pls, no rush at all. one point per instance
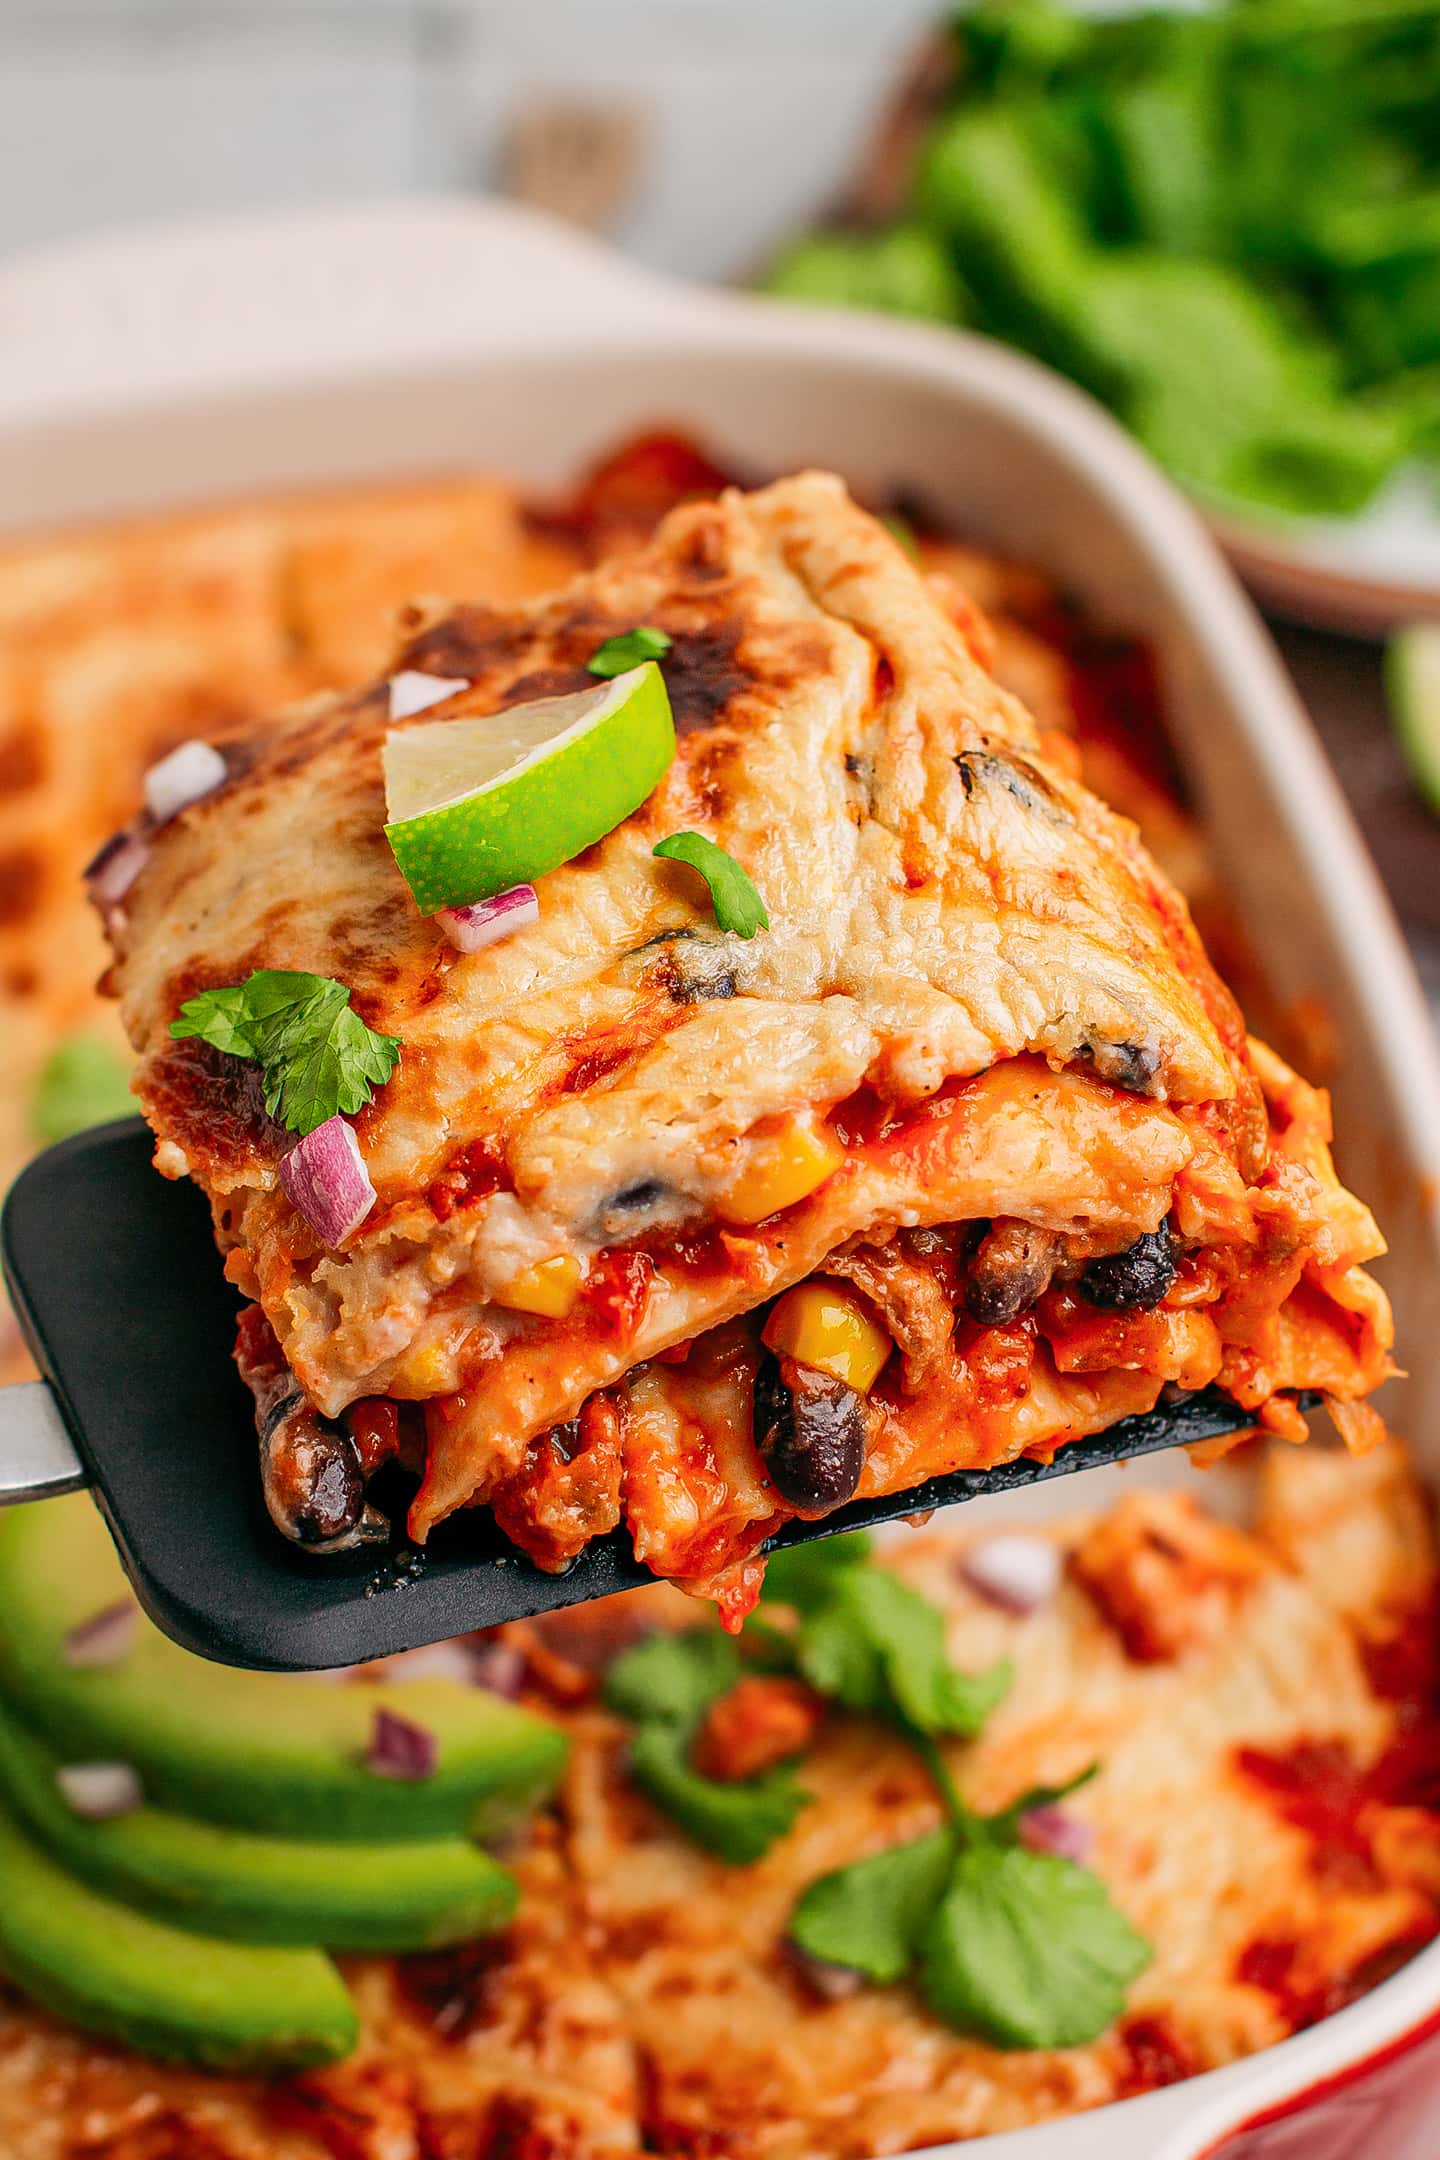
(118, 1288)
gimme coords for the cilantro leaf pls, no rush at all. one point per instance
(838, 1658)
(619, 654)
(873, 1916)
(1027, 1950)
(666, 1684)
(765, 1647)
(738, 906)
(879, 1646)
(329, 1061)
(673, 1679)
(805, 1575)
(84, 1082)
(222, 1018)
(317, 1056)
(739, 1822)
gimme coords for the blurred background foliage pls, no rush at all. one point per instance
(1226, 224)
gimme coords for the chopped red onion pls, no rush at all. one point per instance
(325, 1177)
(469, 928)
(114, 868)
(1018, 1573)
(107, 1639)
(99, 1791)
(400, 1749)
(412, 692)
(192, 770)
(1055, 1830)
(500, 1668)
(824, 1979)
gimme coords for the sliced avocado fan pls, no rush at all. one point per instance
(233, 1883)
(118, 1972)
(257, 1751)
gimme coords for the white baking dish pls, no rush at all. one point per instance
(201, 361)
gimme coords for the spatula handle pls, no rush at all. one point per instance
(37, 1456)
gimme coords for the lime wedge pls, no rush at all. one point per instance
(1412, 679)
(477, 805)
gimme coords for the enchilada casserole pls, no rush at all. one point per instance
(962, 1156)
(1251, 1713)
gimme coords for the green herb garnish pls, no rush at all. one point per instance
(805, 1576)
(84, 1082)
(1020, 1947)
(317, 1056)
(665, 1686)
(738, 906)
(873, 1916)
(1028, 1950)
(1023, 1948)
(673, 1679)
(878, 1646)
(619, 654)
(739, 1821)
(902, 532)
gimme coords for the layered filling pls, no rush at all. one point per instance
(1043, 1256)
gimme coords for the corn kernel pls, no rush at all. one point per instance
(426, 1370)
(824, 1325)
(550, 1288)
(781, 1171)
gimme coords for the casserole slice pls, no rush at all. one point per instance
(978, 1069)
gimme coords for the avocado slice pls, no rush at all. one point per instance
(268, 1752)
(114, 1971)
(248, 1888)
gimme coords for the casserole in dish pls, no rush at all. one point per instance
(998, 448)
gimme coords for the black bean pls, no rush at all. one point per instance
(1133, 1280)
(699, 976)
(637, 1199)
(310, 1470)
(667, 937)
(1129, 1065)
(626, 1212)
(810, 1430)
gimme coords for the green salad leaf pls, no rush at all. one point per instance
(906, 271)
(738, 906)
(1137, 198)
(626, 650)
(317, 1056)
(83, 1082)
